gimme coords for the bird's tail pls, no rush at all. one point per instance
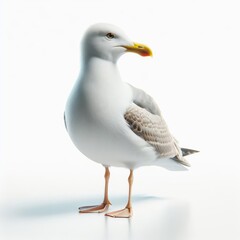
(186, 151)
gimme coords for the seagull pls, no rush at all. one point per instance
(112, 122)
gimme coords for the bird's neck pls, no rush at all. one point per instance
(96, 63)
(101, 88)
(96, 69)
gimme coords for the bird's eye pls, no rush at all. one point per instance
(110, 35)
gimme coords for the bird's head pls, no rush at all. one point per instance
(109, 42)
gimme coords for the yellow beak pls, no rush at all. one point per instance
(140, 49)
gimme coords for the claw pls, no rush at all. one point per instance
(84, 207)
(94, 209)
(123, 213)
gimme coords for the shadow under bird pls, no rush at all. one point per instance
(112, 122)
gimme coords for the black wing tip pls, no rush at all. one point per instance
(186, 151)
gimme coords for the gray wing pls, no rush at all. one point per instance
(145, 120)
(65, 122)
(144, 100)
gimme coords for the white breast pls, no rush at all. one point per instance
(94, 116)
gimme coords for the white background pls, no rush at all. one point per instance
(194, 76)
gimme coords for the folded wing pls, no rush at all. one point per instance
(145, 120)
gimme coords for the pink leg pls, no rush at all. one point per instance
(127, 211)
(104, 206)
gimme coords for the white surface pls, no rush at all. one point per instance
(44, 178)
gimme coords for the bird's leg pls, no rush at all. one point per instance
(127, 211)
(104, 206)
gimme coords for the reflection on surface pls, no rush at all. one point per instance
(66, 206)
(154, 218)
